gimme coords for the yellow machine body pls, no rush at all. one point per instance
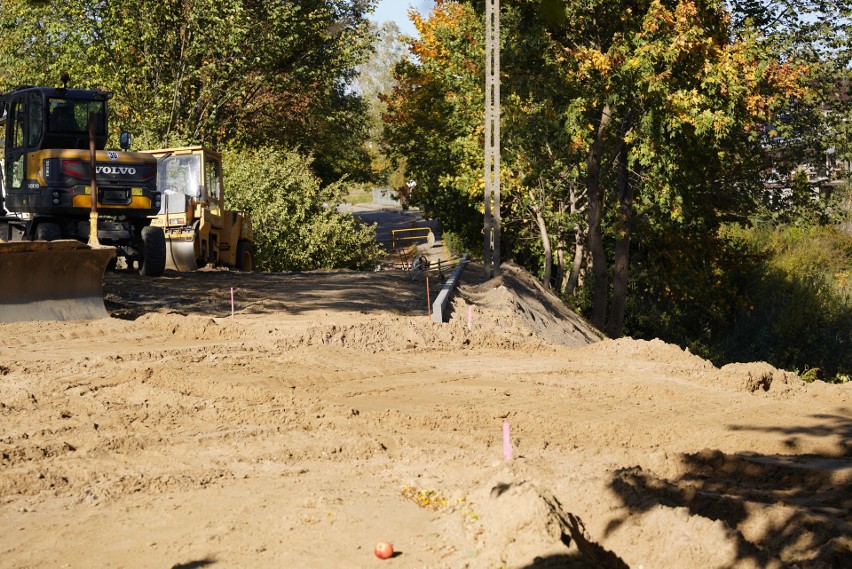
(54, 153)
(199, 230)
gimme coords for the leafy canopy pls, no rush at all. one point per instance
(297, 225)
(205, 71)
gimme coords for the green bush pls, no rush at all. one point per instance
(296, 223)
(454, 244)
(780, 294)
(799, 314)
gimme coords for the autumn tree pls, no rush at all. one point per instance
(616, 114)
(810, 129)
(434, 117)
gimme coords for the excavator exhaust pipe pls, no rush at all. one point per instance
(55, 280)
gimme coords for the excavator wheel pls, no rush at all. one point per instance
(153, 252)
(245, 256)
(47, 231)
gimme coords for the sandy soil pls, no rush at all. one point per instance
(329, 413)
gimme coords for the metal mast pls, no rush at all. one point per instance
(492, 138)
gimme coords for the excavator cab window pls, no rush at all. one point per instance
(17, 133)
(70, 116)
(35, 114)
(15, 150)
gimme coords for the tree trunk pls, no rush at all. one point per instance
(615, 324)
(561, 277)
(572, 280)
(595, 236)
(576, 268)
(545, 244)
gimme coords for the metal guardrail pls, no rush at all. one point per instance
(447, 289)
(423, 234)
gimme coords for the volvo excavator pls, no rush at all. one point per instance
(69, 207)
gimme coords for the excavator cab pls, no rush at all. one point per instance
(48, 166)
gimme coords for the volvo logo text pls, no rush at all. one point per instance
(123, 170)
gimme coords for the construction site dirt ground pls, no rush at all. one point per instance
(329, 413)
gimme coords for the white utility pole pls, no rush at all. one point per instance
(492, 138)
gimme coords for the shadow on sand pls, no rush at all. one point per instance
(815, 490)
(195, 564)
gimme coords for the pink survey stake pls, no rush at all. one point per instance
(507, 443)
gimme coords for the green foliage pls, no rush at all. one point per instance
(777, 294)
(295, 218)
(802, 298)
(806, 204)
(206, 71)
(684, 286)
(454, 246)
(811, 375)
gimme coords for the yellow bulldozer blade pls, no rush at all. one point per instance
(180, 253)
(56, 280)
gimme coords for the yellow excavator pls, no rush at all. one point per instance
(199, 230)
(54, 160)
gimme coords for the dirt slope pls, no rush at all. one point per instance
(329, 413)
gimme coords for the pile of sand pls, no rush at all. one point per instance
(516, 303)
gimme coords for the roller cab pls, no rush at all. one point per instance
(199, 230)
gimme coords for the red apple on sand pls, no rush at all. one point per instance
(384, 550)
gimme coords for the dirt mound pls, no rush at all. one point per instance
(281, 437)
(393, 334)
(516, 302)
(519, 521)
(183, 327)
(745, 510)
(756, 377)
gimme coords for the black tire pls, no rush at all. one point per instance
(245, 256)
(153, 252)
(47, 231)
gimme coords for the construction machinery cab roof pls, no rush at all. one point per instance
(57, 117)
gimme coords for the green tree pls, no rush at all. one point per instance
(374, 80)
(295, 217)
(668, 98)
(206, 71)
